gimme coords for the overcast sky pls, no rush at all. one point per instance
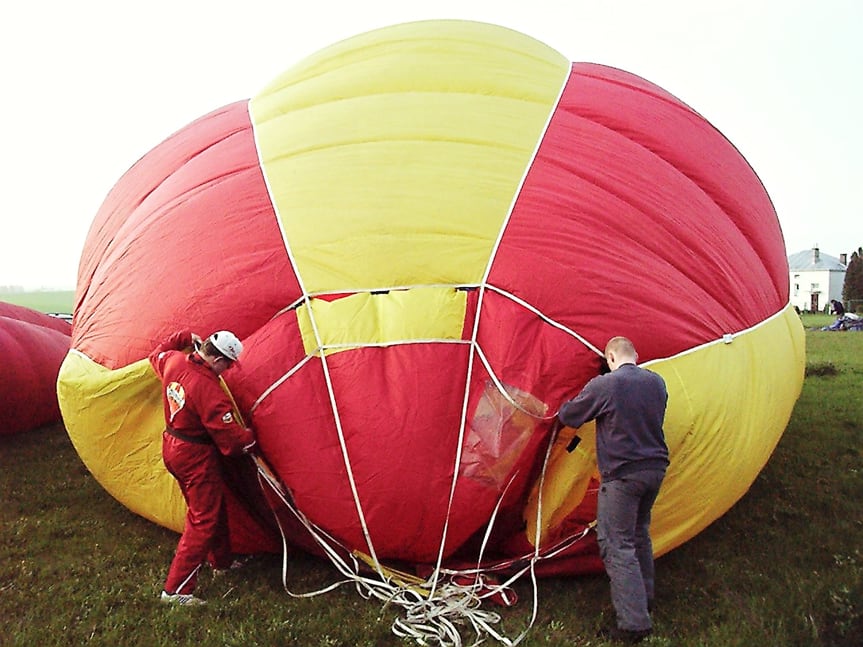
(91, 86)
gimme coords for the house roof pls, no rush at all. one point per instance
(814, 259)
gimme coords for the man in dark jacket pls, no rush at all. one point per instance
(200, 424)
(628, 404)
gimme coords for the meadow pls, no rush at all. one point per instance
(62, 301)
(784, 567)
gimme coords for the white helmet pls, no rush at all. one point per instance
(227, 344)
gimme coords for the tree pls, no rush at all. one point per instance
(852, 290)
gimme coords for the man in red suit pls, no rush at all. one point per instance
(200, 424)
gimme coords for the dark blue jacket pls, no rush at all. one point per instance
(628, 405)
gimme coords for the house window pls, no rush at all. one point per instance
(796, 289)
(814, 287)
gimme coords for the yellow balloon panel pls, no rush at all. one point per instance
(726, 412)
(566, 480)
(400, 315)
(400, 137)
(115, 421)
(739, 397)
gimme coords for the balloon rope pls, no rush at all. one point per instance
(427, 618)
(340, 431)
(432, 610)
(475, 329)
(281, 380)
(545, 318)
(237, 413)
(306, 299)
(503, 390)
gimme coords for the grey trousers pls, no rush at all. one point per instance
(623, 533)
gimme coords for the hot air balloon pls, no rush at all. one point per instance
(33, 345)
(424, 236)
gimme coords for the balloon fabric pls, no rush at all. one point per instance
(33, 345)
(424, 236)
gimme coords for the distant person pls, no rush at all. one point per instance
(200, 424)
(837, 308)
(628, 404)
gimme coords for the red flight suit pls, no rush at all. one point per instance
(200, 423)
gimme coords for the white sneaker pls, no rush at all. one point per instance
(182, 599)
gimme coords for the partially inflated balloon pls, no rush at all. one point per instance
(425, 235)
(32, 348)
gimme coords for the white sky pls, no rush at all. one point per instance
(91, 86)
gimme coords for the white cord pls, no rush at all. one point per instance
(434, 612)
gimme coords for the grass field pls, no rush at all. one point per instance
(784, 567)
(42, 301)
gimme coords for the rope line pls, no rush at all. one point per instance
(341, 435)
(280, 381)
(478, 316)
(503, 390)
(428, 617)
(434, 610)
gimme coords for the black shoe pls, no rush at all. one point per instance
(627, 636)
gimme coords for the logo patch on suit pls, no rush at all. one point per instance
(176, 396)
(228, 418)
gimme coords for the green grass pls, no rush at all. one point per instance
(42, 300)
(783, 567)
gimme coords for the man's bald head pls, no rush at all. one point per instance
(618, 351)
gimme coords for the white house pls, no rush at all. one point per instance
(816, 279)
